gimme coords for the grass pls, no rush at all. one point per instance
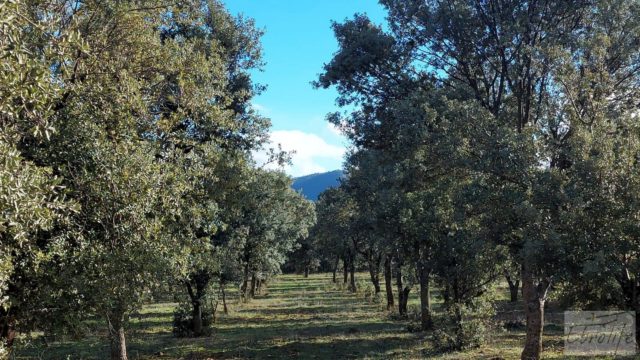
(296, 317)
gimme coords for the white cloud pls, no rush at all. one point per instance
(309, 149)
(334, 129)
(263, 110)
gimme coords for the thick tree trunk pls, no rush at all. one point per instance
(306, 271)
(117, 340)
(534, 297)
(426, 321)
(335, 269)
(387, 282)
(196, 310)
(8, 331)
(199, 281)
(514, 286)
(197, 318)
(352, 270)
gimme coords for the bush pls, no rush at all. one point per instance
(366, 291)
(463, 326)
(183, 318)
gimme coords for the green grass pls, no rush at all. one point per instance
(295, 318)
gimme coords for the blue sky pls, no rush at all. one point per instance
(298, 40)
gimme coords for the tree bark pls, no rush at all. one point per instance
(426, 321)
(117, 340)
(534, 297)
(387, 282)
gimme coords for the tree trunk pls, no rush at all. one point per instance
(252, 292)
(636, 309)
(387, 282)
(459, 328)
(224, 299)
(214, 311)
(402, 292)
(197, 318)
(374, 273)
(345, 270)
(405, 300)
(513, 287)
(426, 322)
(446, 294)
(245, 283)
(306, 271)
(630, 290)
(534, 297)
(513, 291)
(335, 269)
(200, 280)
(8, 331)
(352, 268)
(117, 341)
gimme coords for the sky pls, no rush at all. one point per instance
(298, 41)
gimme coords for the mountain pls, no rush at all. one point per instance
(312, 185)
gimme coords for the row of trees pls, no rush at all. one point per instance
(490, 138)
(125, 163)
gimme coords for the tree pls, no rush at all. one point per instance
(530, 76)
(518, 73)
(362, 184)
(335, 211)
(32, 198)
(273, 218)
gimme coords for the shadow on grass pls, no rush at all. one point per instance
(341, 348)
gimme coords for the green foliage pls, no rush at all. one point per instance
(464, 326)
(500, 141)
(137, 118)
(183, 320)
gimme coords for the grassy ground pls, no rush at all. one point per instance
(295, 318)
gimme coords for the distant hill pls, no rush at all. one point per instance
(312, 185)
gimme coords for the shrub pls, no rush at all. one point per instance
(463, 326)
(183, 318)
